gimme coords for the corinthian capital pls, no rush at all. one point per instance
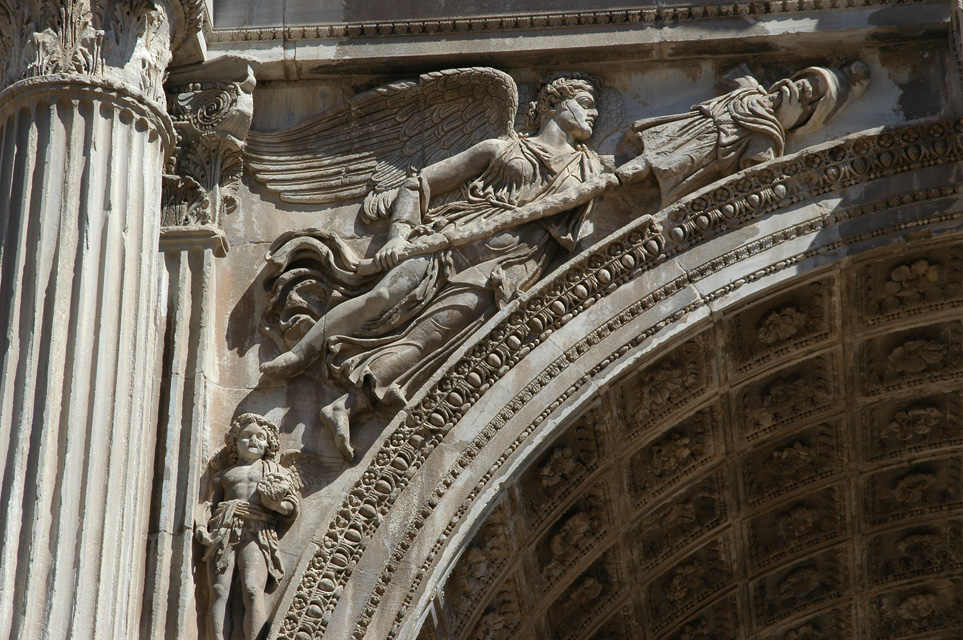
(121, 42)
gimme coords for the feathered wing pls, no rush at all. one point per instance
(310, 472)
(369, 143)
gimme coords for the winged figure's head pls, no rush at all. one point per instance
(251, 432)
(569, 99)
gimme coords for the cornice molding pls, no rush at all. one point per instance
(648, 16)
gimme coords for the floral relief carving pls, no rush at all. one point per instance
(554, 476)
(775, 327)
(676, 454)
(936, 606)
(897, 555)
(780, 325)
(576, 532)
(667, 385)
(912, 488)
(900, 493)
(912, 280)
(897, 426)
(559, 466)
(792, 462)
(789, 396)
(914, 356)
(689, 582)
(500, 618)
(933, 280)
(791, 528)
(672, 525)
(814, 580)
(911, 357)
(585, 597)
(913, 424)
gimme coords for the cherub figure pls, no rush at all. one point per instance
(238, 524)
(737, 130)
(390, 331)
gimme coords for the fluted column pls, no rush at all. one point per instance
(84, 136)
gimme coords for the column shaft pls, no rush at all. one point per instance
(80, 173)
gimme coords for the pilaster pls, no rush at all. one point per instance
(211, 107)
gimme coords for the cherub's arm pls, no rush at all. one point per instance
(203, 513)
(411, 203)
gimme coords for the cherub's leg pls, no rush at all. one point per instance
(254, 577)
(220, 596)
(349, 315)
(336, 416)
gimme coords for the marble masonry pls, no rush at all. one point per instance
(517, 319)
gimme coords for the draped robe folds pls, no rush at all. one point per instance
(235, 522)
(713, 140)
(463, 286)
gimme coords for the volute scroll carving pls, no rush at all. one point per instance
(211, 118)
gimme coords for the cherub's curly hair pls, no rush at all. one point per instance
(243, 420)
(555, 89)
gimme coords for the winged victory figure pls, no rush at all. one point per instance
(432, 155)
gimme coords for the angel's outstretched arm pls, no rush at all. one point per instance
(412, 200)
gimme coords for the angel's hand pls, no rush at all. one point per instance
(785, 91)
(392, 253)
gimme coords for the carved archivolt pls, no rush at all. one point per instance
(810, 521)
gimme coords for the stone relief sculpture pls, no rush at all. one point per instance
(737, 130)
(250, 492)
(377, 334)
(476, 211)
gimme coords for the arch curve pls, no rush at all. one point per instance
(586, 355)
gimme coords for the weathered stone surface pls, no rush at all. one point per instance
(727, 406)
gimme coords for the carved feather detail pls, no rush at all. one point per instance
(370, 142)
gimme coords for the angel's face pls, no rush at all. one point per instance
(252, 442)
(576, 115)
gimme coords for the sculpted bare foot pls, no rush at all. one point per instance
(336, 418)
(285, 365)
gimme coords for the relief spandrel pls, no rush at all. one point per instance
(459, 215)
(475, 212)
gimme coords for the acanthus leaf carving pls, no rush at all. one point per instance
(933, 607)
(126, 42)
(211, 119)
